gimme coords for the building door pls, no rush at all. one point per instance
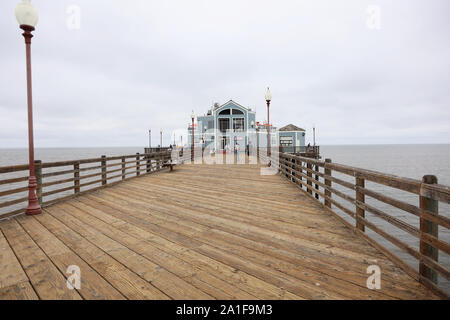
(224, 142)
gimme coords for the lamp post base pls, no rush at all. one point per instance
(33, 204)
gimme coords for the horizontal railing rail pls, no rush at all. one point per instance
(65, 179)
(318, 179)
(310, 150)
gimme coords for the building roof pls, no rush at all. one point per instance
(232, 102)
(291, 127)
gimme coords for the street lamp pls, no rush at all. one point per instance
(192, 147)
(150, 139)
(160, 133)
(27, 17)
(314, 135)
(268, 99)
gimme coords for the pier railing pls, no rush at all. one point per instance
(306, 151)
(318, 179)
(65, 179)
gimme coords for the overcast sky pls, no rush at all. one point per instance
(139, 64)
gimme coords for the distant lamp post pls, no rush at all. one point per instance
(27, 17)
(150, 139)
(192, 147)
(314, 135)
(268, 99)
(160, 138)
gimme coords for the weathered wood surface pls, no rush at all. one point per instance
(201, 232)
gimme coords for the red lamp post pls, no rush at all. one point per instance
(27, 16)
(193, 145)
(268, 99)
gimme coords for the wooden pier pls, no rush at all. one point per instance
(199, 232)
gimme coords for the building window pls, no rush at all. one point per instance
(226, 111)
(237, 111)
(286, 141)
(238, 125)
(224, 124)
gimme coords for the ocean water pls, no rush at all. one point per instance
(20, 156)
(411, 161)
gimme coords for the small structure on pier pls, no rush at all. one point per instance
(290, 137)
(231, 125)
(224, 126)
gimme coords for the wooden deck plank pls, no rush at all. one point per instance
(204, 281)
(263, 210)
(125, 281)
(20, 291)
(187, 271)
(234, 213)
(46, 279)
(11, 272)
(176, 245)
(93, 285)
(171, 285)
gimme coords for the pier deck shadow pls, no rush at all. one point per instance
(201, 232)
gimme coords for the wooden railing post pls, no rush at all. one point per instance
(76, 177)
(316, 168)
(431, 228)
(138, 164)
(149, 163)
(360, 198)
(123, 168)
(38, 174)
(104, 180)
(327, 183)
(299, 169)
(309, 174)
(294, 167)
